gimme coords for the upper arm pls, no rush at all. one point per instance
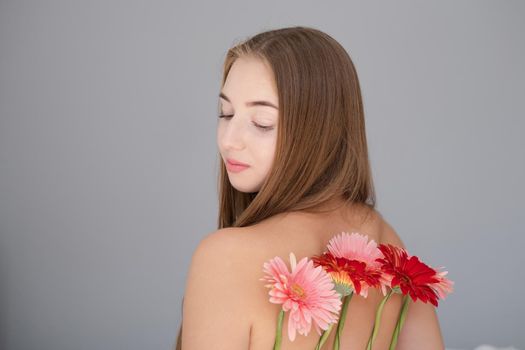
(421, 328)
(215, 312)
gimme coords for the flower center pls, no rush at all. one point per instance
(297, 290)
(406, 279)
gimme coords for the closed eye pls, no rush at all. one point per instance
(262, 127)
(265, 128)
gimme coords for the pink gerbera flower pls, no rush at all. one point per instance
(307, 292)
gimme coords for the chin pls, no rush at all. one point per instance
(245, 189)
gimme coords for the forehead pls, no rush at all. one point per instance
(249, 78)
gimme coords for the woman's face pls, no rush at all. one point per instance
(248, 133)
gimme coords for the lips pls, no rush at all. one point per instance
(235, 162)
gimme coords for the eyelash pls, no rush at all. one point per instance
(264, 128)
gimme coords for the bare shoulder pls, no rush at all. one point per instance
(225, 250)
(388, 234)
(372, 223)
(221, 241)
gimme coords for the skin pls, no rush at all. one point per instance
(249, 134)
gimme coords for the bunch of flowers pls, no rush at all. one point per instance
(317, 291)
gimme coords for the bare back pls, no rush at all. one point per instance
(307, 234)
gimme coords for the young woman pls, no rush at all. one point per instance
(294, 172)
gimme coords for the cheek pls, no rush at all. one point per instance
(268, 151)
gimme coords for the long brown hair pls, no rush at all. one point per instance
(321, 147)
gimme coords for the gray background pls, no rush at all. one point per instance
(108, 161)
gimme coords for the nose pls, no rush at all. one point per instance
(231, 134)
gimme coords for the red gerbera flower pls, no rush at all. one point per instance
(409, 274)
(348, 273)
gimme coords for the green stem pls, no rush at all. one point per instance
(341, 324)
(279, 331)
(377, 321)
(324, 337)
(400, 322)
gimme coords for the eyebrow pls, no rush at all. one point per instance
(252, 103)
